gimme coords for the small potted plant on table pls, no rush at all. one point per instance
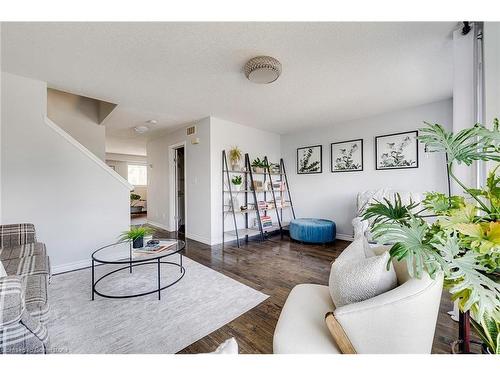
(136, 235)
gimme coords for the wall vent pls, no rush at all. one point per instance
(191, 130)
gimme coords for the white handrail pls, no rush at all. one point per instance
(86, 151)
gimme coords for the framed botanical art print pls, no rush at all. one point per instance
(396, 151)
(309, 160)
(347, 156)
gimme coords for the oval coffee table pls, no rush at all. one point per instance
(122, 253)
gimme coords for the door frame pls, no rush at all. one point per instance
(172, 185)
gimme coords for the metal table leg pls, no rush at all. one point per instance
(159, 283)
(130, 256)
(92, 279)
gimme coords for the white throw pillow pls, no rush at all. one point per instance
(356, 276)
(2, 270)
(230, 346)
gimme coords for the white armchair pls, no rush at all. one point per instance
(402, 320)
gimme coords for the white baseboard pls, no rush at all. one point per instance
(201, 239)
(161, 226)
(71, 266)
(188, 235)
(345, 237)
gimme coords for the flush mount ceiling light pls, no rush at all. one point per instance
(141, 129)
(262, 69)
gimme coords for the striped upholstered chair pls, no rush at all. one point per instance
(24, 306)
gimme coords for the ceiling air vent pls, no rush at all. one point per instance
(191, 130)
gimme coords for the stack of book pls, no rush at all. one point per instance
(279, 185)
(155, 248)
(261, 205)
(266, 222)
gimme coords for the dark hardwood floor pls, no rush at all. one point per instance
(274, 267)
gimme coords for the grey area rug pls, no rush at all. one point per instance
(203, 301)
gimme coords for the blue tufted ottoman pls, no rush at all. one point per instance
(312, 230)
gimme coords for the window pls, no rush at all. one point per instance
(137, 175)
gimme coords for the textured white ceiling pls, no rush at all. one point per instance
(181, 72)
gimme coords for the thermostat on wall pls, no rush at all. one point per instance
(195, 141)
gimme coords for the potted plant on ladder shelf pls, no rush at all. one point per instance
(235, 158)
(236, 182)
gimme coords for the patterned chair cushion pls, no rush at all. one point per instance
(21, 251)
(11, 300)
(17, 234)
(25, 337)
(19, 331)
(36, 296)
(34, 265)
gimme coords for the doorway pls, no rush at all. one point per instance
(179, 189)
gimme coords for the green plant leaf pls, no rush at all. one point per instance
(466, 273)
(411, 244)
(388, 211)
(440, 203)
(135, 232)
(464, 147)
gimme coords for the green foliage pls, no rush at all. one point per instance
(464, 242)
(491, 193)
(257, 163)
(469, 282)
(410, 242)
(388, 211)
(237, 180)
(488, 329)
(440, 203)
(234, 154)
(135, 233)
(466, 146)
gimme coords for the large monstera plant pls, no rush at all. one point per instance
(463, 237)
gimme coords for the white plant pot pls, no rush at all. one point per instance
(235, 166)
(236, 187)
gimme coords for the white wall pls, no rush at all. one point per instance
(203, 173)
(1, 151)
(120, 167)
(75, 201)
(492, 70)
(464, 115)
(197, 179)
(120, 163)
(333, 195)
(255, 142)
(78, 116)
(491, 75)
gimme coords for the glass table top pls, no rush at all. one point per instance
(122, 252)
